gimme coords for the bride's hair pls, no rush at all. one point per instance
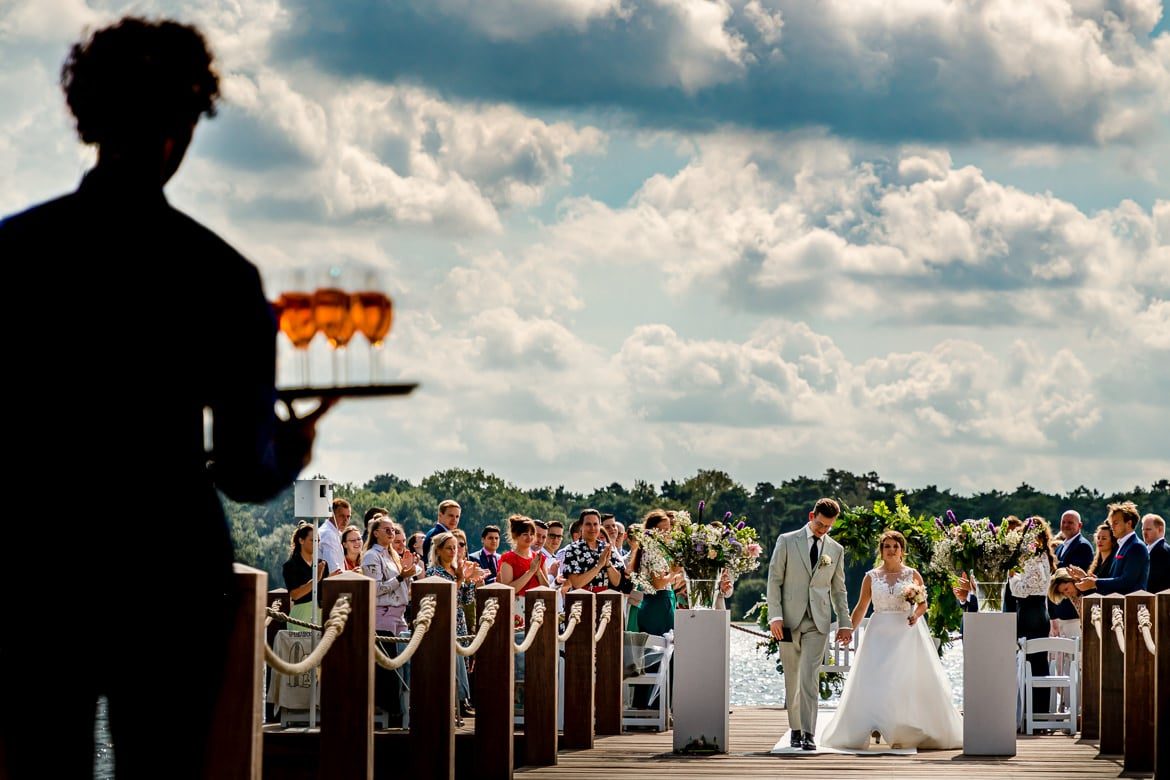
(890, 533)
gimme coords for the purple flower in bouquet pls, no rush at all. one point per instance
(740, 525)
(951, 517)
(726, 516)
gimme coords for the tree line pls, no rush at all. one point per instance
(262, 533)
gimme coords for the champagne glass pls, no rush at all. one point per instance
(373, 313)
(297, 322)
(331, 310)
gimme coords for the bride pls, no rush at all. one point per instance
(897, 685)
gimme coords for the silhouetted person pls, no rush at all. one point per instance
(143, 319)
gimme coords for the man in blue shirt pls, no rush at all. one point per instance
(1131, 562)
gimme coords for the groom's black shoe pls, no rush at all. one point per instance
(807, 742)
(797, 739)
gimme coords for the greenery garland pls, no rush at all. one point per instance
(858, 530)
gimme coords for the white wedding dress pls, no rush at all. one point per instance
(897, 685)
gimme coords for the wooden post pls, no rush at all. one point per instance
(1162, 685)
(281, 595)
(579, 670)
(1090, 670)
(1112, 680)
(495, 688)
(540, 682)
(234, 747)
(347, 682)
(608, 695)
(1139, 688)
(432, 683)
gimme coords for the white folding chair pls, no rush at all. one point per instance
(839, 657)
(1064, 684)
(658, 714)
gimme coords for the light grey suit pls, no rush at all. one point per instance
(800, 594)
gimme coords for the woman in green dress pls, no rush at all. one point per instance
(655, 615)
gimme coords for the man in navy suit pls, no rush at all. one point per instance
(1131, 563)
(1075, 550)
(1154, 532)
(487, 557)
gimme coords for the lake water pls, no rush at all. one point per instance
(754, 682)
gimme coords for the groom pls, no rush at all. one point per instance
(807, 570)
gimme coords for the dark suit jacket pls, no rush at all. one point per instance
(1159, 579)
(1076, 551)
(486, 561)
(1131, 568)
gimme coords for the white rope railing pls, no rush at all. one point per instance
(333, 628)
(273, 611)
(1095, 619)
(1145, 625)
(1119, 627)
(422, 621)
(571, 623)
(534, 625)
(486, 621)
(603, 621)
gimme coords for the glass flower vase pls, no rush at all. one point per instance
(702, 591)
(990, 595)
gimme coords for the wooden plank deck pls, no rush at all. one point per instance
(754, 730)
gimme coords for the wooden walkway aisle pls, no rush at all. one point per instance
(754, 730)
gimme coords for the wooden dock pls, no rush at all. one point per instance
(754, 730)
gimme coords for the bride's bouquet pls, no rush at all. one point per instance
(914, 594)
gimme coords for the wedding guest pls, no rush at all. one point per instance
(351, 548)
(391, 574)
(1075, 550)
(539, 537)
(487, 556)
(415, 545)
(655, 613)
(1131, 561)
(1030, 588)
(444, 563)
(298, 577)
(449, 513)
(552, 546)
(611, 526)
(589, 562)
(330, 548)
(1106, 544)
(1009, 600)
(522, 567)
(1154, 533)
(392, 571)
(1062, 589)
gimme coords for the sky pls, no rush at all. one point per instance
(630, 239)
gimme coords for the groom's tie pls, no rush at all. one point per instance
(812, 554)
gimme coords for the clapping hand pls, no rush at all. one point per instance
(408, 561)
(467, 569)
(1076, 572)
(962, 590)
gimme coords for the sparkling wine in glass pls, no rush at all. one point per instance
(298, 323)
(373, 313)
(331, 311)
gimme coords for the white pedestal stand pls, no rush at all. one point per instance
(989, 684)
(702, 690)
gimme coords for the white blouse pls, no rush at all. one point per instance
(1033, 580)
